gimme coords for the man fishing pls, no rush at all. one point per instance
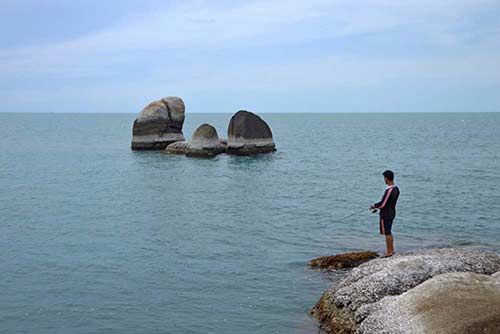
(387, 208)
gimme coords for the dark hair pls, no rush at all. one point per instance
(389, 174)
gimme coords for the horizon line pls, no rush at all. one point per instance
(264, 112)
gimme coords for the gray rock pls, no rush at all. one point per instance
(179, 147)
(248, 134)
(452, 303)
(159, 124)
(382, 277)
(205, 143)
(360, 290)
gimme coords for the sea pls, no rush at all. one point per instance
(97, 238)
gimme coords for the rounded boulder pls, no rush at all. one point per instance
(248, 134)
(452, 303)
(205, 143)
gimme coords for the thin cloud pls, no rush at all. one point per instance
(191, 26)
(168, 47)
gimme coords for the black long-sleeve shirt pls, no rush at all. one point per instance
(387, 204)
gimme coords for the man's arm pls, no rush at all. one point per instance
(383, 201)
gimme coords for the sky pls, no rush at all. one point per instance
(264, 55)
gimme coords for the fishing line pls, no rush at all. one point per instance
(341, 220)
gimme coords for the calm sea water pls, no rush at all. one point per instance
(95, 238)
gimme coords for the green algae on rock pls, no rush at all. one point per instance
(342, 261)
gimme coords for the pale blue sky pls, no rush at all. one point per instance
(264, 56)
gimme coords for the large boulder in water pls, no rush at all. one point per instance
(159, 124)
(248, 134)
(205, 143)
(344, 307)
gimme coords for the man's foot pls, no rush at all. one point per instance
(388, 254)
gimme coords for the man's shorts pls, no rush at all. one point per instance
(386, 226)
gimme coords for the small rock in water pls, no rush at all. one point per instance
(342, 261)
(179, 147)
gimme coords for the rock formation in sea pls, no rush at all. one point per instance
(342, 261)
(159, 124)
(179, 147)
(248, 134)
(204, 143)
(369, 290)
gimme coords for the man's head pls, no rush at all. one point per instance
(388, 176)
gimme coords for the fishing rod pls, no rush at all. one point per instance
(341, 220)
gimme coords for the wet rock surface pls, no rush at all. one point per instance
(342, 261)
(159, 124)
(356, 295)
(205, 143)
(248, 134)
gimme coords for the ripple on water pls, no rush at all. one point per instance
(98, 238)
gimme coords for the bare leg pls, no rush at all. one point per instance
(389, 243)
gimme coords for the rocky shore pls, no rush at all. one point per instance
(429, 291)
